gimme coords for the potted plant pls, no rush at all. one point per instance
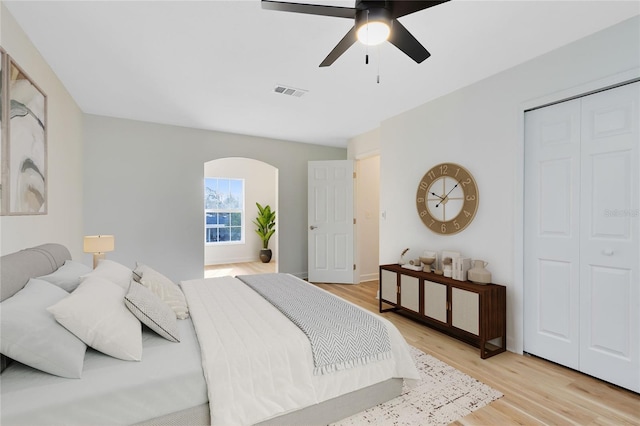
(265, 222)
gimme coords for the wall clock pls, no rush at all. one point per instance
(447, 198)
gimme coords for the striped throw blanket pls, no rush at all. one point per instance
(341, 335)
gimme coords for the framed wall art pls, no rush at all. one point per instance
(24, 142)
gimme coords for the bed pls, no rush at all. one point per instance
(240, 360)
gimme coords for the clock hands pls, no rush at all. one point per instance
(445, 197)
(434, 194)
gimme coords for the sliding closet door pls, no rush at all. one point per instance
(552, 228)
(610, 243)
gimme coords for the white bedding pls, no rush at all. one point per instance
(169, 378)
(259, 365)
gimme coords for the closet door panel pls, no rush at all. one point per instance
(554, 292)
(610, 237)
(609, 319)
(552, 184)
(611, 196)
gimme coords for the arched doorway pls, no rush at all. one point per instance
(232, 187)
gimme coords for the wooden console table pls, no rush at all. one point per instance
(473, 313)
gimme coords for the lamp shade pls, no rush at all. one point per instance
(99, 243)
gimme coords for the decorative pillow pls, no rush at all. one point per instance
(32, 336)
(152, 312)
(68, 276)
(165, 289)
(96, 313)
(112, 271)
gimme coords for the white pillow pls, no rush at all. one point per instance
(112, 271)
(95, 312)
(32, 336)
(165, 289)
(152, 312)
(68, 276)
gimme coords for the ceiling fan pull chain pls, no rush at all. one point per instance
(366, 55)
(378, 77)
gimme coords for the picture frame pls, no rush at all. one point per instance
(23, 154)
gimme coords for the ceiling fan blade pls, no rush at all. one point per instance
(340, 48)
(402, 39)
(401, 8)
(311, 9)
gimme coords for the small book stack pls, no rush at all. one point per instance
(460, 266)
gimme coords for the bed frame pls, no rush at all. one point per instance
(17, 268)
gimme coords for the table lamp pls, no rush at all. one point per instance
(98, 245)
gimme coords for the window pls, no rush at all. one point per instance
(223, 210)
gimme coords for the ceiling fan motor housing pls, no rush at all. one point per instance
(369, 11)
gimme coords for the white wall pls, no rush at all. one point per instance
(144, 184)
(364, 145)
(480, 127)
(63, 222)
(260, 185)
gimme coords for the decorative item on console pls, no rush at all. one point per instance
(460, 266)
(447, 266)
(413, 264)
(428, 258)
(478, 274)
(451, 264)
(402, 261)
(447, 253)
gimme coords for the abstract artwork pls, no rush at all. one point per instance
(24, 143)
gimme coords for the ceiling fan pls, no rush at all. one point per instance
(375, 22)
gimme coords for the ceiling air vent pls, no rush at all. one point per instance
(290, 91)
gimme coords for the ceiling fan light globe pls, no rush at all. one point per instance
(373, 33)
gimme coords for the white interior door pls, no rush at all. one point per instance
(552, 227)
(610, 244)
(330, 222)
(582, 234)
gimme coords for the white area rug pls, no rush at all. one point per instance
(443, 395)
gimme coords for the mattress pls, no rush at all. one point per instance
(168, 379)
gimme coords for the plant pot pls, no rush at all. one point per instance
(265, 255)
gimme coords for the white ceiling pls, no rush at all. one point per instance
(214, 64)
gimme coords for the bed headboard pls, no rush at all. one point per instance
(16, 268)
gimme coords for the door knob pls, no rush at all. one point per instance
(312, 227)
(607, 252)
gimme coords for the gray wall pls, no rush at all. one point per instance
(144, 184)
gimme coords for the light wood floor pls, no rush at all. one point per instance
(234, 269)
(536, 392)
